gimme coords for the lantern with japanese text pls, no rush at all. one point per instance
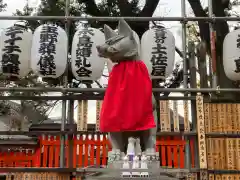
(231, 55)
(86, 64)
(49, 51)
(110, 64)
(135, 35)
(16, 42)
(158, 52)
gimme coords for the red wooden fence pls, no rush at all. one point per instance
(90, 151)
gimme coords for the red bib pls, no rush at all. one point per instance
(127, 104)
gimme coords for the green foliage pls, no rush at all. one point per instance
(2, 6)
(41, 106)
(193, 32)
(110, 8)
(51, 8)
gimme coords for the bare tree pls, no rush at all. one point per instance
(221, 29)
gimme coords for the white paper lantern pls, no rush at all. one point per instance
(135, 35)
(86, 64)
(49, 51)
(110, 64)
(231, 55)
(15, 43)
(158, 52)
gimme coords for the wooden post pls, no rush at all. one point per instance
(79, 118)
(238, 139)
(222, 124)
(165, 116)
(98, 110)
(82, 149)
(193, 84)
(216, 145)
(201, 137)
(235, 131)
(208, 129)
(229, 141)
(175, 117)
(82, 115)
(201, 56)
(186, 116)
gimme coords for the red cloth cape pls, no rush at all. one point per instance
(127, 104)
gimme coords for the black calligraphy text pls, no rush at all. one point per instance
(47, 50)
(83, 52)
(159, 54)
(237, 61)
(10, 57)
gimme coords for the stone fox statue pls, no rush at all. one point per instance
(127, 109)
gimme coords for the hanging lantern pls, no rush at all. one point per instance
(86, 64)
(49, 51)
(15, 51)
(158, 52)
(135, 35)
(110, 64)
(231, 55)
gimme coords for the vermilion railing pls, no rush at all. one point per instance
(90, 150)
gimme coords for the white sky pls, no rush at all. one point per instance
(165, 8)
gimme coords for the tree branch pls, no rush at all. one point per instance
(203, 26)
(2, 6)
(221, 26)
(125, 7)
(91, 7)
(179, 52)
(149, 8)
(99, 85)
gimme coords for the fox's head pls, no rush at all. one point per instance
(119, 45)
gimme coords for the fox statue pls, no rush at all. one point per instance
(129, 108)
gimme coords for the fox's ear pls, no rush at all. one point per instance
(109, 32)
(124, 29)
